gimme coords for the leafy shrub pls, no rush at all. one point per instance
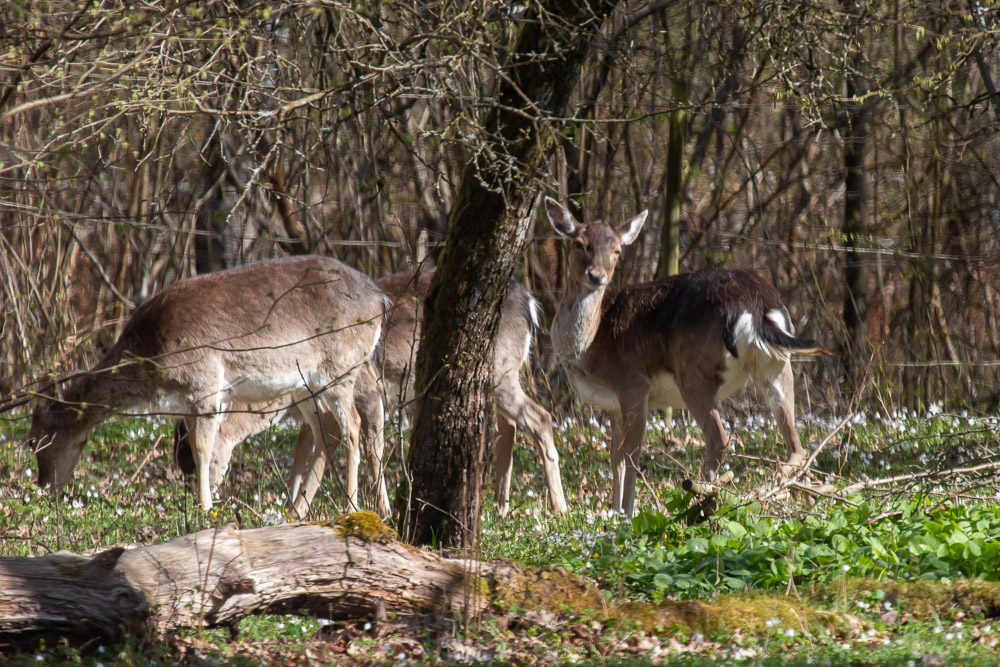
(743, 549)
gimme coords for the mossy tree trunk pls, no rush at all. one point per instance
(451, 441)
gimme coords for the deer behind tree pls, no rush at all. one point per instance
(401, 337)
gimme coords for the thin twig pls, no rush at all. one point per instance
(872, 483)
(149, 454)
(794, 478)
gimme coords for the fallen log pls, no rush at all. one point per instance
(707, 489)
(345, 570)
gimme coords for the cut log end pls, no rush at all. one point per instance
(707, 489)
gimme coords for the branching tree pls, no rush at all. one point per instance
(451, 440)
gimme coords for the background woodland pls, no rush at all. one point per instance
(849, 151)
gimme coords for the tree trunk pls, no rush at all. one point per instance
(674, 185)
(670, 240)
(209, 215)
(347, 570)
(451, 439)
(855, 216)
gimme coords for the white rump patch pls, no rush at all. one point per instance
(534, 313)
(535, 309)
(744, 332)
(752, 353)
(777, 316)
(747, 340)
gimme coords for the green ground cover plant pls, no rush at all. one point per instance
(743, 549)
(906, 570)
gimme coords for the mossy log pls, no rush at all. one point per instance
(349, 569)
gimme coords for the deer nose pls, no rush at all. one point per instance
(596, 276)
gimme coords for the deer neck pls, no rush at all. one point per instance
(576, 322)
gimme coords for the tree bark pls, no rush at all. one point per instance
(855, 229)
(347, 570)
(209, 216)
(670, 244)
(451, 441)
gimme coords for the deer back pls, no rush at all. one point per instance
(662, 325)
(270, 325)
(259, 329)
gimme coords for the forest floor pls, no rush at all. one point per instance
(895, 564)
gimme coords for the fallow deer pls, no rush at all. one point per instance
(515, 410)
(302, 327)
(686, 341)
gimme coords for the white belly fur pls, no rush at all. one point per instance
(268, 387)
(664, 392)
(591, 392)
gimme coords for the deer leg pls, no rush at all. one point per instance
(185, 459)
(617, 461)
(706, 413)
(700, 393)
(349, 426)
(243, 421)
(506, 430)
(315, 457)
(634, 411)
(376, 462)
(308, 447)
(222, 454)
(530, 417)
(204, 433)
(368, 403)
(780, 393)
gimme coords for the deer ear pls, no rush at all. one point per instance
(560, 219)
(630, 230)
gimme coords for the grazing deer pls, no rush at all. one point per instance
(303, 328)
(686, 341)
(400, 340)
